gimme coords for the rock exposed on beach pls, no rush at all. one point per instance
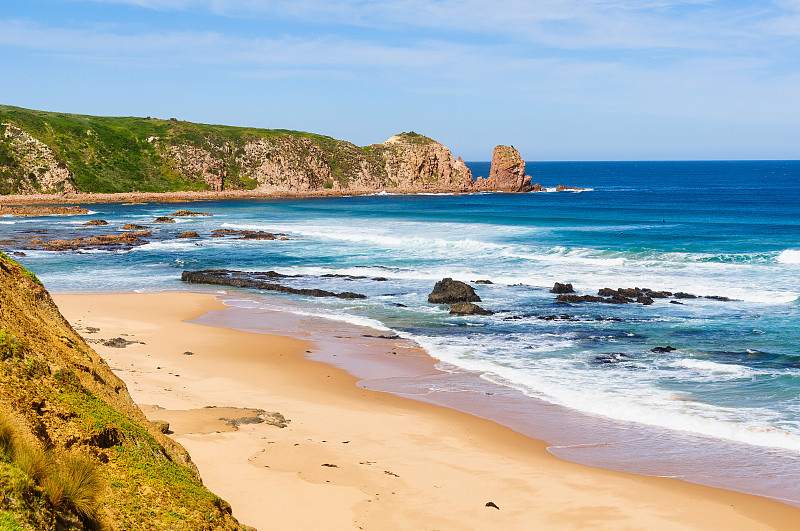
(449, 291)
(467, 308)
(96, 222)
(256, 280)
(163, 219)
(492, 504)
(189, 213)
(161, 425)
(134, 226)
(29, 211)
(118, 342)
(558, 287)
(188, 234)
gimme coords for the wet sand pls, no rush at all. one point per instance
(353, 458)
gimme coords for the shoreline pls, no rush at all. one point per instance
(428, 466)
(207, 195)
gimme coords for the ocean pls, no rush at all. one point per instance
(720, 406)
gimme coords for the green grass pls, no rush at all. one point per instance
(114, 154)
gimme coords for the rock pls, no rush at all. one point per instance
(240, 279)
(492, 504)
(562, 288)
(32, 211)
(189, 213)
(163, 219)
(482, 282)
(569, 297)
(467, 308)
(118, 342)
(97, 222)
(676, 302)
(188, 234)
(682, 295)
(448, 291)
(662, 350)
(507, 173)
(611, 357)
(134, 226)
(161, 425)
(644, 300)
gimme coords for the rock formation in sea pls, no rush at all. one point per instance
(507, 173)
(449, 291)
(63, 407)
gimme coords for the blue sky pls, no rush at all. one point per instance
(558, 79)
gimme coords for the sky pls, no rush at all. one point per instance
(558, 79)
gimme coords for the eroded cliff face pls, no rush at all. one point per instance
(507, 173)
(30, 166)
(58, 395)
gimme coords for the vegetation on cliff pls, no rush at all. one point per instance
(47, 152)
(75, 451)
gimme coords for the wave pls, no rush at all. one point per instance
(789, 256)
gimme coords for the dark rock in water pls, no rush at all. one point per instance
(562, 288)
(676, 302)
(134, 226)
(448, 291)
(644, 300)
(611, 357)
(380, 279)
(467, 308)
(19, 253)
(482, 282)
(554, 317)
(163, 219)
(400, 305)
(97, 222)
(662, 350)
(569, 297)
(682, 295)
(240, 279)
(717, 298)
(189, 213)
(188, 234)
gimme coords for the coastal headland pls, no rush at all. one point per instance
(62, 158)
(362, 459)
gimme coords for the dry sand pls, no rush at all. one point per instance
(357, 459)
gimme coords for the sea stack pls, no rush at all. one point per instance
(507, 173)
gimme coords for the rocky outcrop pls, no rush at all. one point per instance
(449, 291)
(258, 280)
(507, 173)
(467, 308)
(562, 288)
(28, 165)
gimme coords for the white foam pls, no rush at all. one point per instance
(715, 369)
(789, 256)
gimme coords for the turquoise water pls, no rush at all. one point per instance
(729, 229)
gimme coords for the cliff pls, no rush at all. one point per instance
(75, 451)
(44, 152)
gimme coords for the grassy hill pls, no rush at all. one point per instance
(75, 451)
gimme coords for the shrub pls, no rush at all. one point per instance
(75, 485)
(36, 463)
(8, 438)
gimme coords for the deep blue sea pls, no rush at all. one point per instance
(726, 229)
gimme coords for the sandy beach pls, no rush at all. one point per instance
(351, 458)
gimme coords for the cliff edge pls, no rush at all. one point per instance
(75, 451)
(55, 153)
